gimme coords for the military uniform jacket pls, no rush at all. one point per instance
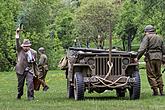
(22, 62)
(152, 47)
(43, 62)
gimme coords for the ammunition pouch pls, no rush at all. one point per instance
(153, 54)
(147, 57)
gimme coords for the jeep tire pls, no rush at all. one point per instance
(78, 86)
(134, 91)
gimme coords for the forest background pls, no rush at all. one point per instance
(55, 24)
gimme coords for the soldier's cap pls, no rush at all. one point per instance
(26, 43)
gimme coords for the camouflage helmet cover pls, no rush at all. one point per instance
(149, 28)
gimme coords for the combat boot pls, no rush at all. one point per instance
(30, 98)
(161, 92)
(45, 88)
(155, 92)
(18, 97)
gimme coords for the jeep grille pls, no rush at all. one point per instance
(102, 66)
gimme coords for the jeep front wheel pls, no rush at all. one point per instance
(134, 91)
(78, 86)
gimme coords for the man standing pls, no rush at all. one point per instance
(24, 67)
(153, 49)
(100, 42)
(43, 67)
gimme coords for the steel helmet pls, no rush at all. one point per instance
(149, 28)
(41, 49)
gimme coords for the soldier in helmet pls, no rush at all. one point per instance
(43, 67)
(100, 42)
(153, 49)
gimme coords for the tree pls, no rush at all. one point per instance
(38, 18)
(94, 18)
(64, 27)
(128, 22)
(153, 13)
(8, 15)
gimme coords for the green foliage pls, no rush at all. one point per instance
(37, 18)
(7, 17)
(55, 24)
(128, 22)
(64, 27)
(93, 18)
(153, 11)
(34, 15)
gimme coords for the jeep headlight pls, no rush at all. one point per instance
(125, 61)
(90, 61)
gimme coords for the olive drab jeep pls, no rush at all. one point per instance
(91, 70)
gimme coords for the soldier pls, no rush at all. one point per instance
(152, 47)
(24, 67)
(100, 42)
(43, 67)
(77, 42)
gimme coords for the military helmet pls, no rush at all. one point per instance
(41, 49)
(149, 28)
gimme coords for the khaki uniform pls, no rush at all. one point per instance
(100, 42)
(43, 68)
(152, 47)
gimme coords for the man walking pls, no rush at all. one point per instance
(24, 67)
(153, 49)
(43, 67)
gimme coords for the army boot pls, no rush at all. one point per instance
(18, 97)
(161, 91)
(45, 88)
(155, 92)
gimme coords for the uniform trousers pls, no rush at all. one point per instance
(153, 69)
(29, 82)
(42, 76)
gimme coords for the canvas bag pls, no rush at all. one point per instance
(63, 64)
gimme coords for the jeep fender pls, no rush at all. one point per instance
(79, 68)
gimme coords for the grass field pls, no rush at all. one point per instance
(55, 97)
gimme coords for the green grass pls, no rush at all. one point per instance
(55, 97)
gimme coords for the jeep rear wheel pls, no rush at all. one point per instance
(70, 89)
(134, 91)
(78, 86)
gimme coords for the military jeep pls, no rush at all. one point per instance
(90, 69)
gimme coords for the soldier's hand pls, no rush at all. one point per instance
(17, 33)
(18, 30)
